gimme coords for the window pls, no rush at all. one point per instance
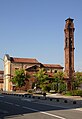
(16, 68)
(55, 71)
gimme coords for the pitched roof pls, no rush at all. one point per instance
(27, 67)
(53, 66)
(24, 60)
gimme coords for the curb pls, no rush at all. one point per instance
(61, 100)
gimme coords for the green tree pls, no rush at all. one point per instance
(19, 78)
(62, 87)
(41, 77)
(58, 79)
(77, 80)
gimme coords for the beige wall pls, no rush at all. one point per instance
(6, 74)
(1, 86)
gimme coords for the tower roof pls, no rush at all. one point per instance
(69, 19)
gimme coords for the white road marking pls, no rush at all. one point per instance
(8, 103)
(30, 109)
(16, 105)
(59, 117)
(29, 100)
(12, 104)
(53, 115)
(1, 96)
(77, 109)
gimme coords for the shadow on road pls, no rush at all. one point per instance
(11, 106)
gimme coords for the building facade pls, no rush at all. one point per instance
(29, 65)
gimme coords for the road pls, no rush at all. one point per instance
(12, 107)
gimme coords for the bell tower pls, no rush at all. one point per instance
(69, 47)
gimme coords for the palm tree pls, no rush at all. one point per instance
(59, 80)
(41, 77)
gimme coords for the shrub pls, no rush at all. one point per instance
(68, 93)
(79, 93)
(62, 87)
(74, 93)
(30, 91)
(46, 88)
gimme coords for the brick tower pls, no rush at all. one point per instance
(69, 49)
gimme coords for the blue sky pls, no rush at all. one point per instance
(35, 29)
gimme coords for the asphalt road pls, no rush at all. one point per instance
(12, 107)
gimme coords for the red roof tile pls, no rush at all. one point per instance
(53, 66)
(25, 60)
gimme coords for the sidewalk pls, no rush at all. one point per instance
(65, 97)
(74, 101)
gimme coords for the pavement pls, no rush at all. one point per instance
(69, 101)
(65, 97)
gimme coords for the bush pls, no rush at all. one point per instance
(74, 93)
(68, 93)
(79, 93)
(46, 88)
(62, 87)
(30, 91)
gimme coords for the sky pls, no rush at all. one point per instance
(35, 29)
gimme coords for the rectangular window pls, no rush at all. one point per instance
(16, 68)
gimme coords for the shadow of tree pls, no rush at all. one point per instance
(11, 106)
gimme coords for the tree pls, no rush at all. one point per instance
(77, 80)
(19, 78)
(41, 77)
(58, 79)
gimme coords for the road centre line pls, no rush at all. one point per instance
(49, 114)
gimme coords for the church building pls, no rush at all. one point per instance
(30, 65)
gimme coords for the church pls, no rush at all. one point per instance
(32, 65)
